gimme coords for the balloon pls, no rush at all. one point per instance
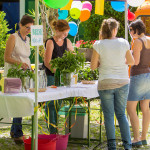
(118, 6)
(73, 28)
(87, 5)
(75, 10)
(131, 15)
(135, 3)
(63, 14)
(76, 4)
(85, 14)
(56, 3)
(75, 13)
(68, 6)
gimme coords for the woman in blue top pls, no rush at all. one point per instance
(112, 55)
(55, 47)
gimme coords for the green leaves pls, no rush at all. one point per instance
(69, 62)
(88, 74)
(17, 72)
(3, 36)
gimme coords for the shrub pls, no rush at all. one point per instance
(3, 36)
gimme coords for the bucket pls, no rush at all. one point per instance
(61, 140)
(43, 144)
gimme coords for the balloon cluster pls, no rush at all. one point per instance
(80, 11)
(120, 7)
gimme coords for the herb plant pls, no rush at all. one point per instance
(88, 74)
(70, 62)
(17, 72)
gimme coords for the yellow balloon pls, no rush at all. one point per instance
(75, 13)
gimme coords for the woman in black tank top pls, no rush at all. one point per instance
(55, 47)
(139, 82)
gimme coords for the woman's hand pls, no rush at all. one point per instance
(24, 66)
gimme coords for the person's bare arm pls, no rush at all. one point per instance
(8, 53)
(69, 45)
(129, 58)
(48, 55)
(95, 60)
(137, 47)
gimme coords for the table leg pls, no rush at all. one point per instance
(100, 138)
(88, 122)
(70, 117)
(57, 115)
(32, 142)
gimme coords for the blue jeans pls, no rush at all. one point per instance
(52, 112)
(114, 101)
(17, 127)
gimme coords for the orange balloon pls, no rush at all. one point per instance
(85, 14)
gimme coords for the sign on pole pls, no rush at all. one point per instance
(36, 35)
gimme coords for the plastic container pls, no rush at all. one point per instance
(61, 140)
(80, 129)
(43, 144)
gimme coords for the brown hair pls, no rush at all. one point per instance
(26, 19)
(61, 25)
(106, 28)
(138, 26)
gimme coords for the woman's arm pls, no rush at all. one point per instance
(95, 60)
(69, 45)
(48, 55)
(129, 58)
(137, 47)
(8, 53)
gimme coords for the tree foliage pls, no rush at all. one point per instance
(92, 25)
(3, 36)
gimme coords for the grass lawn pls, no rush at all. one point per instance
(7, 143)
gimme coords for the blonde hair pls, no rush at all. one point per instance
(106, 28)
(61, 25)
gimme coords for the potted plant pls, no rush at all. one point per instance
(17, 72)
(69, 63)
(85, 47)
(88, 76)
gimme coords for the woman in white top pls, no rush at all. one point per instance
(111, 55)
(18, 52)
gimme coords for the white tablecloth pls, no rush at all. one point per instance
(22, 104)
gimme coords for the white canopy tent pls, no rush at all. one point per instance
(35, 124)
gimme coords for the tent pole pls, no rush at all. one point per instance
(126, 21)
(36, 78)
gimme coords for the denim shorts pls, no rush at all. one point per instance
(139, 87)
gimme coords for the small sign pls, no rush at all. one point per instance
(36, 35)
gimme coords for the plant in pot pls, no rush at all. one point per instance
(17, 72)
(88, 76)
(85, 47)
(70, 62)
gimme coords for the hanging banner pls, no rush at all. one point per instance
(99, 7)
(68, 6)
(36, 35)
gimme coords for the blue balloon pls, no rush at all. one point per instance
(118, 6)
(73, 28)
(63, 14)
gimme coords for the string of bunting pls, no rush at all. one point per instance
(76, 100)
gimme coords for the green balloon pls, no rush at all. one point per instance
(75, 13)
(56, 3)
